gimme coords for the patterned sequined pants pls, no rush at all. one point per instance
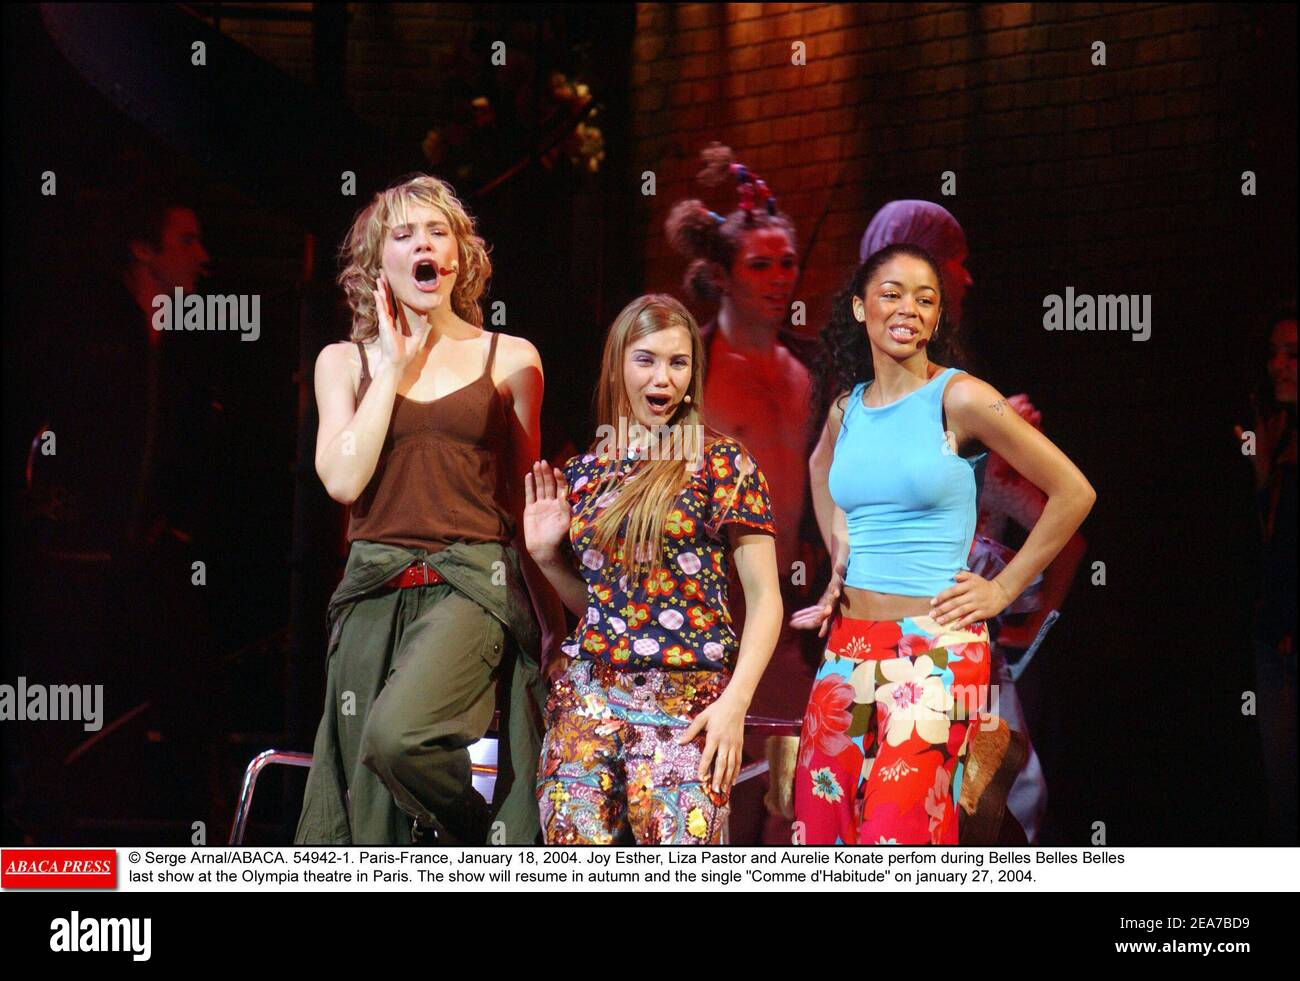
(611, 770)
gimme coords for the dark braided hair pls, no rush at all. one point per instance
(846, 350)
(710, 240)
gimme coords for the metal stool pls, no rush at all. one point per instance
(482, 754)
(251, 773)
(483, 767)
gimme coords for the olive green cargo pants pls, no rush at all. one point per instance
(412, 682)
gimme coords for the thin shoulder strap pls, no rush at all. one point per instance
(365, 367)
(492, 353)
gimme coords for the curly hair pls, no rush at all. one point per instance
(361, 254)
(846, 350)
(709, 240)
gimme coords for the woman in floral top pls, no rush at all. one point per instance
(644, 728)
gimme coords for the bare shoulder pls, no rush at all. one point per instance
(515, 354)
(339, 359)
(517, 370)
(965, 393)
(337, 377)
(792, 365)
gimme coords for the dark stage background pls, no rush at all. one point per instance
(1122, 178)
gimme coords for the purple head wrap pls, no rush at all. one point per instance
(922, 223)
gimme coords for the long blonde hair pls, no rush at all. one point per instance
(647, 500)
(363, 249)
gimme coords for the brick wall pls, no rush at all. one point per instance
(1050, 152)
(1122, 178)
(1083, 166)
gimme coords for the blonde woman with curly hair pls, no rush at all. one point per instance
(644, 729)
(427, 422)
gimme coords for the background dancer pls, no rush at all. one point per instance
(758, 389)
(1274, 464)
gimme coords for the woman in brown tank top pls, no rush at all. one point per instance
(427, 421)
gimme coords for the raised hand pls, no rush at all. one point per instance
(546, 510)
(396, 346)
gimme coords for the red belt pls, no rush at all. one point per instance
(416, 574)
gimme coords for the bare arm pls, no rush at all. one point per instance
(754, 554)
(526, 385)
(1023, 503)
(350, 437)
(724, 720)
(840, 543)
(978, 411)
(819, 471)
(566, 583)
(832, 522)
(546, 526)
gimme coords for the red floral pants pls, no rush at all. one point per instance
(886, 732)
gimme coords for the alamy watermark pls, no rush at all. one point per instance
(1084, 311)
(53, 703)
(238, 312)
(81, 934)
(666, 442)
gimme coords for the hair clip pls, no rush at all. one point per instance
(717, 218)
(752, 189)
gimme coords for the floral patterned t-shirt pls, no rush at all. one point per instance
(676, 618)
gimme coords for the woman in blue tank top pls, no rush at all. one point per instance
(905, 676)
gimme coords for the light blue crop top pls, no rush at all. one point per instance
(909, 499)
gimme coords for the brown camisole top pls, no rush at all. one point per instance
(441, 473)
